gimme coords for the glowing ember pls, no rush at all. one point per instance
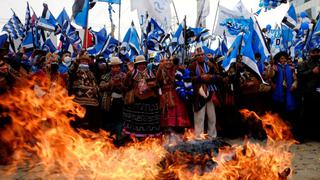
(45, 144)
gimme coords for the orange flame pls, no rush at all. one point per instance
(46, 146)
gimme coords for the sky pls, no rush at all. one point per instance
(99, 17)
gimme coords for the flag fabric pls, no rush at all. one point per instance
(99, 39)
(155, 35)
(131, 42)
(258, 42)
(313, 40)
(287, 38)
(222, 48)
(233, 52)
(202, 11)
(241, 10)
(290, 19)
(177, 40)
(80, 11)
(225, 26)
(109, 1)
(28, 19)
(63, 18)
(28, 41)
(14, 27)
(247, 52)
(109, 46)
(3, 38)
(49, 46)
(47, 21)
(159, 10)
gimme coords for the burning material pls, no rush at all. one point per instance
(44, 145)
(42, 140)
(248, 161)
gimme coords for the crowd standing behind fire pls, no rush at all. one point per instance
(131, 98)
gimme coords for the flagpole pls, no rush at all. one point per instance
(184, 37)
(215, 20)
(215, 17)
(119, 24)
(175, 11)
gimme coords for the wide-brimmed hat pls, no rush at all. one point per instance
(84, 58)
(114, 61)
(140, 59)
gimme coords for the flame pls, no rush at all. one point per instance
(41, 137)
(46, 146)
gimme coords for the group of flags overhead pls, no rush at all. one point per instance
(236, 28)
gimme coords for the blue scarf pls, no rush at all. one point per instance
(281, 94)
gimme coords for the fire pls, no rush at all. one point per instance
(41, 137)
(44, 145)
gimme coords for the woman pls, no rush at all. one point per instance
(141, 113)
(112, 89)
(173, 111)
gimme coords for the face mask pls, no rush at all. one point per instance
(67, 59)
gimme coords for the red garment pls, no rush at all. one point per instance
(176, 116)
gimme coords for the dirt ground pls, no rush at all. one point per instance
(306, 160)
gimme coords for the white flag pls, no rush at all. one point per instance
(202, 11)
(160, 10)
(241, 10)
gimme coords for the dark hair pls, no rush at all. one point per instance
(279, 55)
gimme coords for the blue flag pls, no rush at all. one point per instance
(3, 39)
(109, 1)
(290, 19)
(131, 40)
(234, 52)
(47, 21)
(80, 10)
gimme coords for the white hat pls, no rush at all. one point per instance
(114, 61)
(140, 59)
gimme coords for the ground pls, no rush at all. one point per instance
(306, 162)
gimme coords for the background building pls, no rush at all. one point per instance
(311, 7)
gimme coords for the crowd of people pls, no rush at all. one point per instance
(146, 99)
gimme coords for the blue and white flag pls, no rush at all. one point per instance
(63, 18)
(28, 41)
(28, 19)
(132, 42)
(155, 35)
(160, 10)
(47, 21)
(14, 27)
(109, 1)
(109, 46)
(234, 52)
(290, 19)
(287, 38)
(259, 42)
(49, 46)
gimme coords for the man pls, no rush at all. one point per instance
(85, 89)
(309, 77)
(203, 78)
